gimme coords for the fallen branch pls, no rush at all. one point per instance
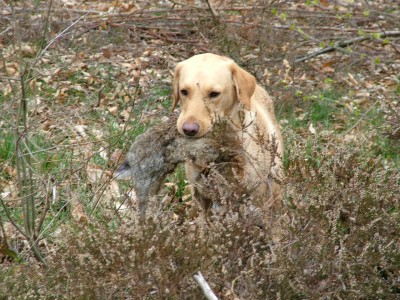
(208, 293)
(147, 30)
(344, 44)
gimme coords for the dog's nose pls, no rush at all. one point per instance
(190, 129)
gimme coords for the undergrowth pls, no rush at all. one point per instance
(338, 236)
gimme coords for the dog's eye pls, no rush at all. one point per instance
(214, 94)
(184, 92)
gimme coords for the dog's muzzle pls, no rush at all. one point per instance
(190, 128)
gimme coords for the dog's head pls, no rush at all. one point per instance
(209, 87)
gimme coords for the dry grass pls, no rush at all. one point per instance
(338, 239)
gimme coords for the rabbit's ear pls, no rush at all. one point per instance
(123, 171)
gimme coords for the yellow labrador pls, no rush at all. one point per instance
(209, 87)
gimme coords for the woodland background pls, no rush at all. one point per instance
(79, 80)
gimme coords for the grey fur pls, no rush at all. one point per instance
(157, 152)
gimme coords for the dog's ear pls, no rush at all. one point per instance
(245, 84)
(176, 85)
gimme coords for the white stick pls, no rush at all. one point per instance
(204, 286)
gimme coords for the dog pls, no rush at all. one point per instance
(209, 88)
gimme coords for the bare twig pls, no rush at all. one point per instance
(44, 212)
(208, 293)
(5, 30)
(9, 218)
(212, 10)
(359, 120)
(56, 38)
(8, 77)
(344, 44)
(46, 23)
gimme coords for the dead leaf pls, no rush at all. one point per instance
(121, 206)
(95, 173)
(9, 194)
(78, 211)
(12, 69)
(113, 110)
(348, 138)
(362, 97)
(103, 153)
(301, 117)
(116, 157)
(28, 51)
(352, 79)
(107, 52)
(324, 2)
(46, 125)
(125, 114)
(338, 126)
(60, 95)
(328, 67)
(148, 52)
(312, 129)
(81, 130)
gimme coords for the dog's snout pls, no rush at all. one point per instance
(190, 128)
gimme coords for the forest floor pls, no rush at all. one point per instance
(79, 81)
